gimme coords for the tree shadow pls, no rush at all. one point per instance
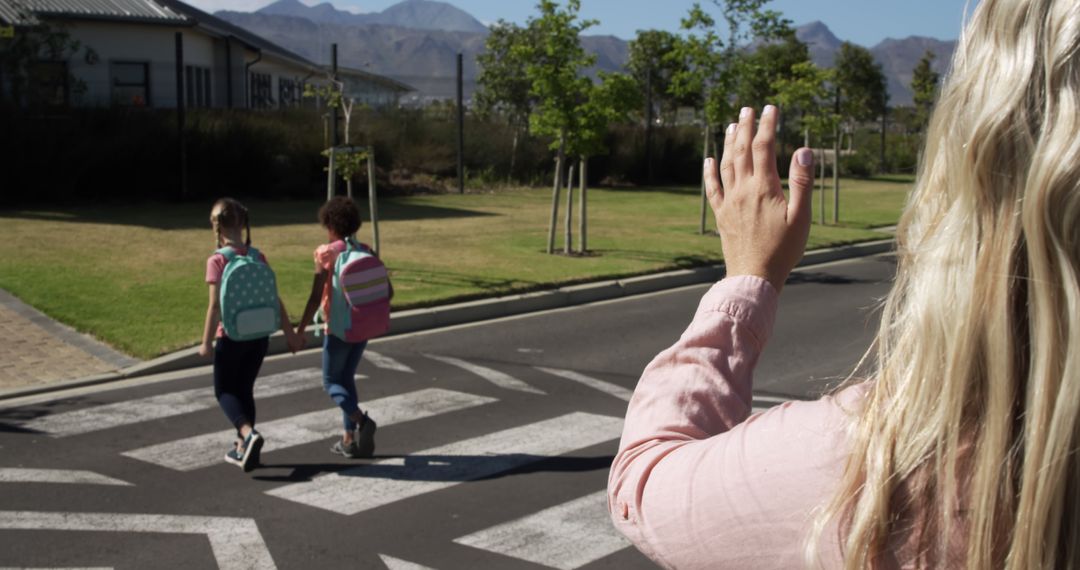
(13, 420)
(187, 216)
(442, 468)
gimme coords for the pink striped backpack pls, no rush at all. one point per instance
(360, 300)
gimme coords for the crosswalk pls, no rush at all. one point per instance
(566, 536)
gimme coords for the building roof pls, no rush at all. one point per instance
(24, 11)
(217, 26)
(383, 80)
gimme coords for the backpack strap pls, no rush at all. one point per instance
(227, 252)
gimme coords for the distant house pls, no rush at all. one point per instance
(130, 55)
(373, 90)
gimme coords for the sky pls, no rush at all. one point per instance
(864, 22)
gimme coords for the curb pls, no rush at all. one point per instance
(404, 322)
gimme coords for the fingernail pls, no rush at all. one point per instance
(744, 112)
(732, 128)
(708, 162)
(806, 157)
(768, 110)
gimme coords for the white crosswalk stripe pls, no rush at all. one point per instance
(399, 564)
(594, 383)
(369, 486)
(385, 362)
(207, 449)
(500, 379)
(236, 543)
(165, 405)
(565, 536)
(65, 476)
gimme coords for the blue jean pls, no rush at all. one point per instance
(339, 362)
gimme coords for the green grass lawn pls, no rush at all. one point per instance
(133, 275)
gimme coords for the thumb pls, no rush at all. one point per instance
(801, 185)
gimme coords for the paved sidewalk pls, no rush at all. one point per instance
(38, 351)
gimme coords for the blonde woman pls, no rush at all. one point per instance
(961, 450)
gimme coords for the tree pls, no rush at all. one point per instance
(652, 63)
(503, 86)
(613, 99)
(347, 160)
(33, 42)
(711, 65)
(805, 96)
(768, 64)
(556, 61)
(860, 94)
(924, 85)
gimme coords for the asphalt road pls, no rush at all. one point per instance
(493, 446)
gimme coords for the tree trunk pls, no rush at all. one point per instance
(513, 156)
(583, 227)
(330, 178)
(373, 204)
(568, 241)
(348, 187)
(704, 198)
(559, 160)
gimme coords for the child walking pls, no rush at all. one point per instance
(341, 219)
(237, 360)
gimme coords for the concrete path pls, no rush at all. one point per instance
(38, 351)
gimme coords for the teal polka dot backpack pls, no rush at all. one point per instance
(250, 308)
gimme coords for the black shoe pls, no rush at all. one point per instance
(365, 438)
(246, 456)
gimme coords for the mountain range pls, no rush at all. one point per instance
(416, 41)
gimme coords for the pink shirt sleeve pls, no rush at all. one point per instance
(698, 482)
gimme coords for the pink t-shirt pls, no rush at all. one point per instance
(700, 483)
(215, 266)
(325, 257)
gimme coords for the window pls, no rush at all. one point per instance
(49, 84)
(290, 92)
(197, 89)
(261, 94)
(130, 83)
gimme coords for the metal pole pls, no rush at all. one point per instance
(333, 111)
(372, 202)
(228, 74)
(460, 125)
(181, 115)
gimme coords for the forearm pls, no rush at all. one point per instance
(286, 324)
(210, 324)
(313, 301)
(691, 392)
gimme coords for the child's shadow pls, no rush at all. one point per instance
(420, 468)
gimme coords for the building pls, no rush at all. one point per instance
(376, 91)
(129, 55)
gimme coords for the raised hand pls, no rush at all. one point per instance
(762, 232)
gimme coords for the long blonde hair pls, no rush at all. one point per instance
(965, 452)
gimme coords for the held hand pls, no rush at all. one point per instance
(206, 350)
(762, 232)
(295, 342)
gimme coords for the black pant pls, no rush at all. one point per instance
(236, 366)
